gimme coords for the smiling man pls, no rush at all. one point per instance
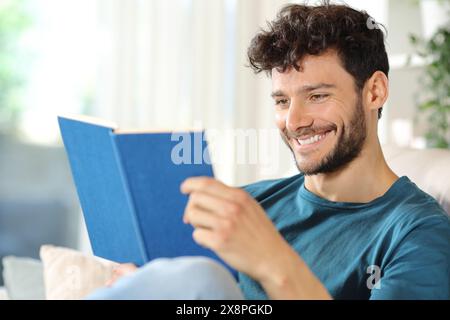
(345, 227)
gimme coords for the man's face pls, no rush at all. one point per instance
(319, 114)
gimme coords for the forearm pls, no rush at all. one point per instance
(289, 278)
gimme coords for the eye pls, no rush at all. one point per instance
(319, 97)
(281, 102)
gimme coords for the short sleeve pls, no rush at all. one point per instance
(420, 264)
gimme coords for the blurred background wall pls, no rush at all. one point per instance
(171, 64)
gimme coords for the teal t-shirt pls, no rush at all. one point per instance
(401, 238)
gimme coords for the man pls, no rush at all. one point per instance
(346, 227)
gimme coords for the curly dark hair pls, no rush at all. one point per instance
(301, 30)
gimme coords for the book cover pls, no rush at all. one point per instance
(128, 185)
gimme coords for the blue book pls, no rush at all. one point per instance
(128, 185)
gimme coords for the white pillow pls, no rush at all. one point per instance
(72, 275)
(23, 278)
(3, 294)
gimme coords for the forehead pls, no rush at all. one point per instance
(324, 68)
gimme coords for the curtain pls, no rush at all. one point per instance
(173, 64)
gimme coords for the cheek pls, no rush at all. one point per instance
(335, 112)
(280, 119)
(342, 110)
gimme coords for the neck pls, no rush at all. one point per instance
(366, 178)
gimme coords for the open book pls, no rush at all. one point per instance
(129, 188)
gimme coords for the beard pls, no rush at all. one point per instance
(348, 146)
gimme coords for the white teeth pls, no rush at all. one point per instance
(311, 140)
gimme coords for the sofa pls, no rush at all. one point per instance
(60, 274)
(428, 168)
(67, 274)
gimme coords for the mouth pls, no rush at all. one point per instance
(311, 142)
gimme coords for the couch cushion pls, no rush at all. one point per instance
(23, 278)
(3, 294)
(428, 168)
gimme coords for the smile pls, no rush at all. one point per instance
(310, 142)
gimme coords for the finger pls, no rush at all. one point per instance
(201, 218)
(208, 185)
(127, 268)
(111, 281)
(124, 269)
(212, 203)
(205, 238)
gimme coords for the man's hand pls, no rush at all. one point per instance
(120, 271)
(230, 222)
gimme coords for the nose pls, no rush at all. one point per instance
(297, 117)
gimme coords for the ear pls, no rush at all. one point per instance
(376, 91)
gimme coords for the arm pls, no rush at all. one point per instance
(231, 223)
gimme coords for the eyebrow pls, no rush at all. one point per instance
(304, 89)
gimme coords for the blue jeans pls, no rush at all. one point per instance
(184, 278)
